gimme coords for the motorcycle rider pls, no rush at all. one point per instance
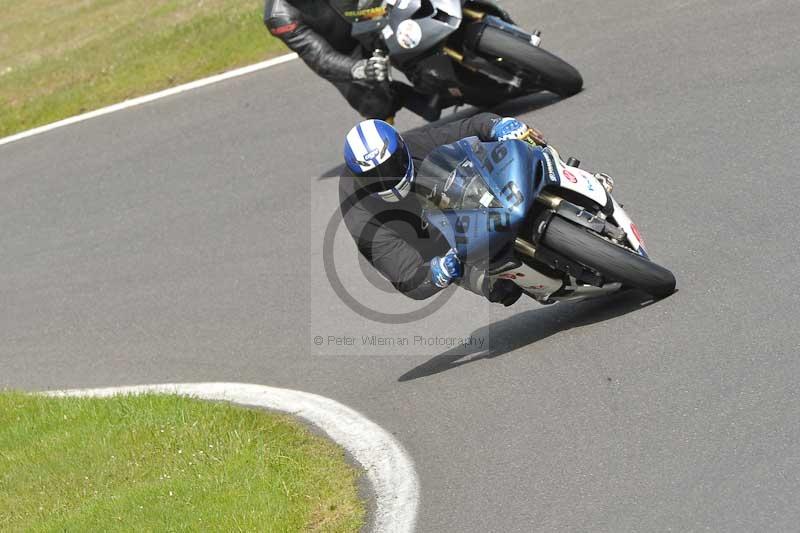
(321, 37)
(382, 207)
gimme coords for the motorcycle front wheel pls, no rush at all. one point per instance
(610, 260)
(541, 69)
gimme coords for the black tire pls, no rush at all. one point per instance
(612, 261)
(542, 69)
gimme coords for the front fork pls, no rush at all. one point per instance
(478, 15)
(570, 289)
(486, 66)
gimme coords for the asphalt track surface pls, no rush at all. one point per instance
(179, 242)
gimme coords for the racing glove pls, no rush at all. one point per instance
(372, 70)
(510, 128)
(445, 270)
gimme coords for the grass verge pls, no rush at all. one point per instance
(166, 463)
(59, 58)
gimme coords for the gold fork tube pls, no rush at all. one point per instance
(458, 56)
(524, 247)
(471, 13)
(550, 200)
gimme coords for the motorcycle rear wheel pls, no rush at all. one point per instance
(541, 69)
(612, 261)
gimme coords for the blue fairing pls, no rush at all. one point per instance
(491, 186)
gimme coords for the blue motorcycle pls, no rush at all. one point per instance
(522, 214)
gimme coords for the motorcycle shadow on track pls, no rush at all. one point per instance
(529, 327)
(515, 107)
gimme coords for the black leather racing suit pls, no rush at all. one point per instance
(321, 37)
(391, 235)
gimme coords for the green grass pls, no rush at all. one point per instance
(166, 463)
(59, 58)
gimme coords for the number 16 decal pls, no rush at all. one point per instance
(513, 194)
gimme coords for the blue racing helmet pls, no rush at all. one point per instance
(380, 160)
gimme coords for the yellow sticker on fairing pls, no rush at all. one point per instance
(366, 14)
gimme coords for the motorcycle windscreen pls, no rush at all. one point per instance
(471, 174)
(454, 180)
(481, 203)
(360, 10)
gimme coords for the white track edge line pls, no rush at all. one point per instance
(388, 467)
(133, 102)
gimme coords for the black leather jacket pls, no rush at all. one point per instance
(319, 35)
(392, 236)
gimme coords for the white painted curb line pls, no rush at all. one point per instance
(389, 468)
(150, 97)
